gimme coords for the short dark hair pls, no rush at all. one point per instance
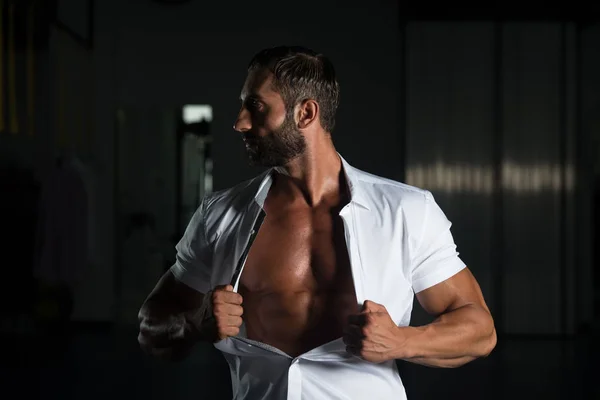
(300, 74)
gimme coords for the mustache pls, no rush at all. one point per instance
(250, 137)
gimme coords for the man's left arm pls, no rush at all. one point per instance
(463, 330)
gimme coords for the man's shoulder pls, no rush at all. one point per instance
(380, 186)
(242, 192)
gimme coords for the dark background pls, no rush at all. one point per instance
(495, 109)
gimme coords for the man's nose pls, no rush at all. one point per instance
(242, 123)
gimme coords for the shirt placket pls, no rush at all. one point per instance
(294, 380)
(348, 217)
(235, 280)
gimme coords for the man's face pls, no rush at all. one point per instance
(270, 133)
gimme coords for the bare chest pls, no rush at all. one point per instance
(297, 282)
(298, 252)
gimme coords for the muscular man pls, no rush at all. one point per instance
(304, 276)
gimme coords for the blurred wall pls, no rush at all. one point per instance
(589, 214)
(494, 131)
(45, 111)
(450, 132)
(590, 107)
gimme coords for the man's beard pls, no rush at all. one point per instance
(278, 147)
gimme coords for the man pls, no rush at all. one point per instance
(304, 276)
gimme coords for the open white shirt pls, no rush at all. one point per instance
(399, 243)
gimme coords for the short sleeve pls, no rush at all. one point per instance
(436, 258)
(193, 264)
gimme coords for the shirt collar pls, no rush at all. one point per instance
(355, 185)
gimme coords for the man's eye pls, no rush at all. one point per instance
(253, 104)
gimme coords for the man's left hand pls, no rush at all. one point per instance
(372, 335)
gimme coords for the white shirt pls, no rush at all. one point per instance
(399, 243)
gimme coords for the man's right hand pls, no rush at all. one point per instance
(224, 316)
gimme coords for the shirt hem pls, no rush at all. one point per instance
(194, 282)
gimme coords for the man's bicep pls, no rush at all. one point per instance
(178, 294)
(459, 290)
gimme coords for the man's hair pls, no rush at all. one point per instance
(301, 74)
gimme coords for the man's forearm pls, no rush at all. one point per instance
(442, 362)
(166, 334)
(453, 339)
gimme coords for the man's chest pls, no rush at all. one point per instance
(299, 250)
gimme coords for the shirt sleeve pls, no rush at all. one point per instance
(436, 258)
(193, 264)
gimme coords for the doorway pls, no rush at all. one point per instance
(163, 168)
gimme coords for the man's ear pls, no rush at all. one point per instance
(308, 113)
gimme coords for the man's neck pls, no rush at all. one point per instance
(315, 175)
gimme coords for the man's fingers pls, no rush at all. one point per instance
(232, 298)
(231, 321)
(371, 306)
(229, 332)
(225, 310)
(224, 288)
(234, 310)
(222, 296)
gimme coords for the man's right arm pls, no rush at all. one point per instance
(171, 319)
(174, 317)
(183, 308)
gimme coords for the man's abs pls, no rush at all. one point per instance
(296, 322)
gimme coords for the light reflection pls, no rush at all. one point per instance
(196, 113)
(464, 178)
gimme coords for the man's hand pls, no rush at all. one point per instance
(224, 317)
(372, 335)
